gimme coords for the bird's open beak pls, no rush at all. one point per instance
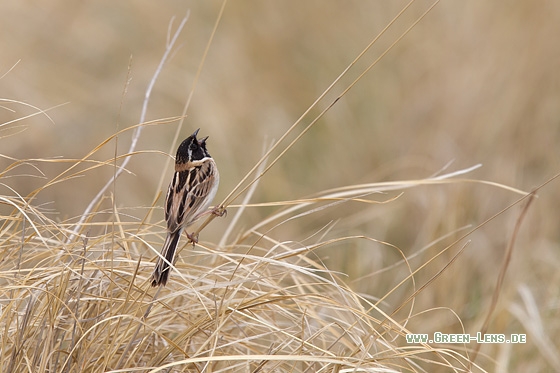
(195, 133)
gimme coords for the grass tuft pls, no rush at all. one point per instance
(329, 282)
(254, 303)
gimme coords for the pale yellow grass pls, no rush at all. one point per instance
(321, 265)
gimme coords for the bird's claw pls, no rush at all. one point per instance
(219, 211)
(193, 238)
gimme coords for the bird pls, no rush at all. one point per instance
(192, 189)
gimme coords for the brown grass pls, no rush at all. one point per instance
(356, 234)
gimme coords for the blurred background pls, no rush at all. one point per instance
(473, 82)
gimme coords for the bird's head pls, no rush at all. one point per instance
(192, 149)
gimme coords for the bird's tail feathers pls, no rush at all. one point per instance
(162, 268)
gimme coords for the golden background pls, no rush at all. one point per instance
(473, 82)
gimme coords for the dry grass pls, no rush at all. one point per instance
(330, 277)
(250, 304)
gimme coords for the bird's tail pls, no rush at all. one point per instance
(161, 270)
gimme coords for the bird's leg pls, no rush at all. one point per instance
(219, 211)
(192, 238)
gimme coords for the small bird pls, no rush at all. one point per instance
(194, 185)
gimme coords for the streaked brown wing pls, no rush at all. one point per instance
(188, 194)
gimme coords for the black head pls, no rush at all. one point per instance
(192, 149)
